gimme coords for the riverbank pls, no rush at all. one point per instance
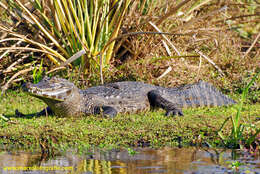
(153, 129)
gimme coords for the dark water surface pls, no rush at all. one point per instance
(145, 160)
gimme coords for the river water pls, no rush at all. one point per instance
(137, 161)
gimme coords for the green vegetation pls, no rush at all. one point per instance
(54, 31)
(197, 127)
(236, 137)
(235, 165)
(69, 26)
(37, 74)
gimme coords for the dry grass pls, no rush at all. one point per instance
(209, 33)
(222, 34)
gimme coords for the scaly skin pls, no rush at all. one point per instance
(65, 99)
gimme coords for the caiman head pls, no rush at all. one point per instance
(59, 94)
(51, 88)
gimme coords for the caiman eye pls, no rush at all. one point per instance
(46, 78)
(55, 86)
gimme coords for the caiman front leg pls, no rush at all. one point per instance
(106, 111)
(156, 100)
(45, 112)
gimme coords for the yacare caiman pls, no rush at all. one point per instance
(65, 99)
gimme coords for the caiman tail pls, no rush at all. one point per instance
(201, 94)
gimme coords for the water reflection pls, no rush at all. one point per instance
(167, 160)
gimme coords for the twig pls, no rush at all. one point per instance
(74, 57)
(6, 86)
(68, 61)
(164, 43)
(210, 61)
(143, 32)
(172, 11)
(167, 49)
(175, 49)
(237, 17)
(192, 21)
(55, 69)
(4, 35)
(198, 72)
(165, 72)
(9, 69)
(250, 48)
(13, 49)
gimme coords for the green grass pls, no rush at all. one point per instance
(236, 138)
(198, 126)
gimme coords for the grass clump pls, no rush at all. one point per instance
(237, 137)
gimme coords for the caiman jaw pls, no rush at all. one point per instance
(43, 90)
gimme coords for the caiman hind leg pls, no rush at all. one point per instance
(156, 100)
(106, 111)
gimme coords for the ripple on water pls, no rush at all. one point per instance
(143, 160)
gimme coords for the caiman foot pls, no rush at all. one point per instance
(19, 114)
(156, 100)
(174, 112)
(106, 111)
